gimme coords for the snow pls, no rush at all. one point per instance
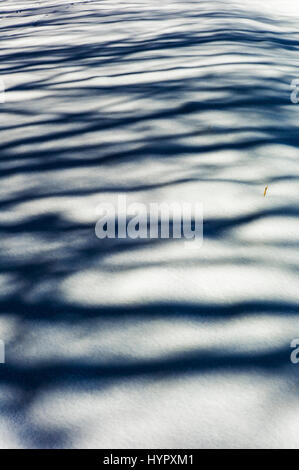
(125, 343)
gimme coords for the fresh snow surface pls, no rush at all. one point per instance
(127, 343)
